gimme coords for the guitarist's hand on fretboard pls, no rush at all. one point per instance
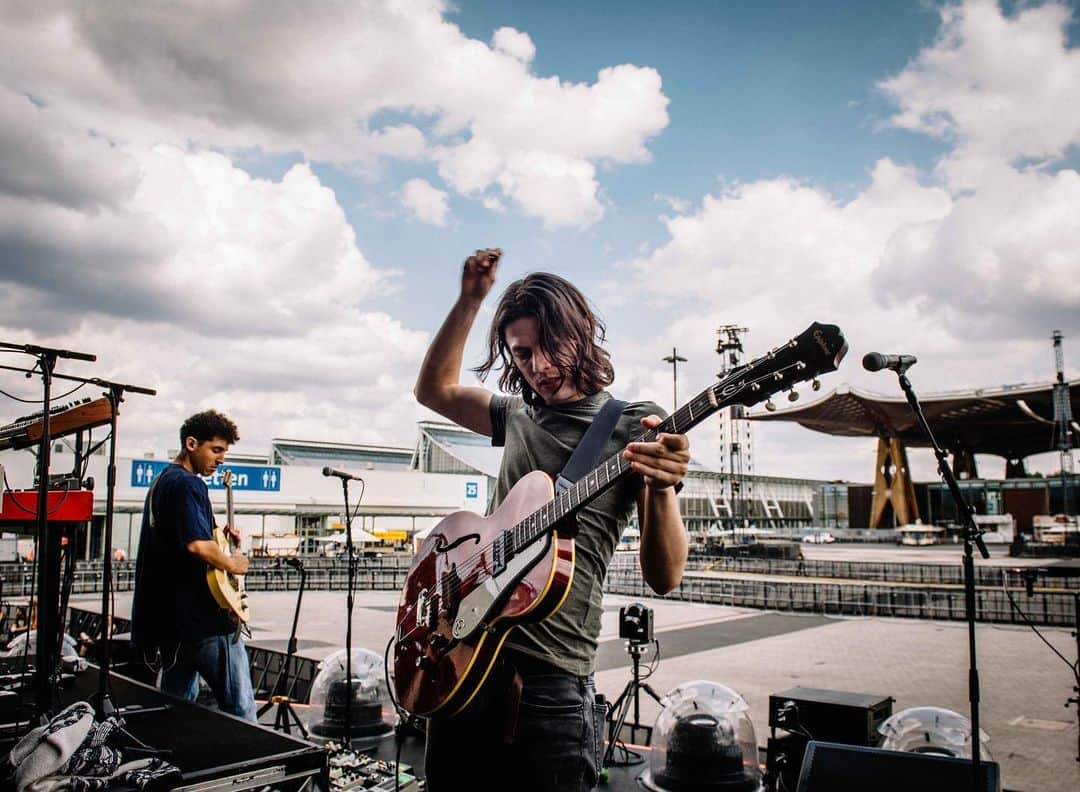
(232, 535)
(662, 462)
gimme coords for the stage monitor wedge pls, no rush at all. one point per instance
(832, 767)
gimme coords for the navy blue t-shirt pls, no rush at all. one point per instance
(172, 602)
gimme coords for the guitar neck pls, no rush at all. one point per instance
(610, 472)
(229, 513)
(816, 350)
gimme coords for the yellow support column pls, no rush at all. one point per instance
(892, 484)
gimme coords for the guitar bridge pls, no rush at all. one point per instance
(423, 609)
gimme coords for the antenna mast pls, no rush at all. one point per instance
(736, 438)
(1062, 422)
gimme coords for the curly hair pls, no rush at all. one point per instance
(207, 425)
(570, 335)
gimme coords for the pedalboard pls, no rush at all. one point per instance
(355, 771)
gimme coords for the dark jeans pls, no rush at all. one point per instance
(557, 742)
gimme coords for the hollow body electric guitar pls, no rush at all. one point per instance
(227, 588)
(475, 578)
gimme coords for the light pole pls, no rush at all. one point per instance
(674, 360)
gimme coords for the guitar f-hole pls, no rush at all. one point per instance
(442, 546)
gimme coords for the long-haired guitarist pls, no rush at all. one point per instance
(173, 611)
(534, 723)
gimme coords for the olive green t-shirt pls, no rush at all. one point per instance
(543, 438)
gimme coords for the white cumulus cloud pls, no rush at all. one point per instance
(199, 243)
(514, 42)
(1001, 87)
(425, 202)
(349, 83)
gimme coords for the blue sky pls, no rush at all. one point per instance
(756, 90)
(264, 207)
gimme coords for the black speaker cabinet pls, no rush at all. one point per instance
(830, 715)
(831, 767)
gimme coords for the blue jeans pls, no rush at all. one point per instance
(223, 662)
(556, 744)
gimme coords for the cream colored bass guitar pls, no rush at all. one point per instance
(227, 588)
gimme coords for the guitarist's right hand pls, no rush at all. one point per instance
(478, 275)
(238, 564)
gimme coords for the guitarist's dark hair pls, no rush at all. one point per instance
(570, 335)
(207, 425)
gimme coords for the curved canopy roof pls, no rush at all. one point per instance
(1012, 421)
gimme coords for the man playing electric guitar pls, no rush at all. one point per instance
(173, 612)
(534, 723)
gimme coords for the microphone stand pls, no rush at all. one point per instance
(286, 715)
(972, 538)
(47, 552)
(348, 613)
(103, 704)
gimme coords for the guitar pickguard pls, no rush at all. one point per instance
(475, 608)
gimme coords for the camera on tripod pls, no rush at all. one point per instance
(636, 623)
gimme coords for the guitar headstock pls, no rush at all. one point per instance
(817, 350)
(226, 478)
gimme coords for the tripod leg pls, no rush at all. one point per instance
(615, 725)
(296, 718)
(656, 697)
(622, 697)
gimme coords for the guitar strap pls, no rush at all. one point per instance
(591, 445)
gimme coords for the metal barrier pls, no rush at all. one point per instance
(266, 669)
(942, 574)
(384, 573)
(854, 598)
(868, 593)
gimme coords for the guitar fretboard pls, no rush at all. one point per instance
(605, 475)
(818, 349)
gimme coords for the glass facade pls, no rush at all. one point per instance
(1045, 496)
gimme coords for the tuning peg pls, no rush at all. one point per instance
(815, 384)
(770, 406)
(793, 396)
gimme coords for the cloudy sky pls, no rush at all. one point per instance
(264, 206)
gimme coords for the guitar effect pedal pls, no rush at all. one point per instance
(351, 771)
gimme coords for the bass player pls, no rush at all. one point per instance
(173, 613)
(535, 724)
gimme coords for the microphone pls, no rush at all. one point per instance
(341, 474)
(875, 361)
(295, 563)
